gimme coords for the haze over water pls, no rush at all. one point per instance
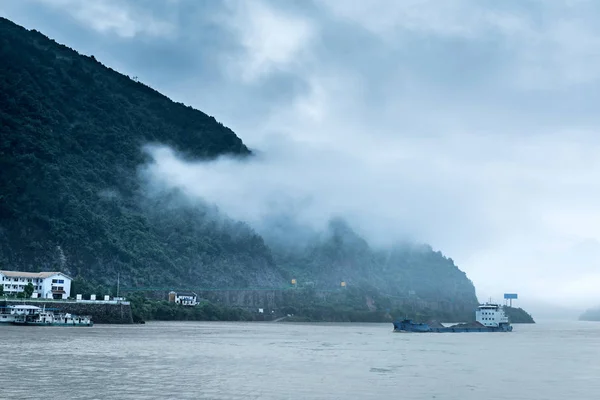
(211, 360)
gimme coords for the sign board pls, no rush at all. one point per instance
(510, 296)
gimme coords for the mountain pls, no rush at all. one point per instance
(593, 314)
(71, 135)
(403, 271)
(74, 199)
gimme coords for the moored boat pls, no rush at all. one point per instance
(36, 316)
(10, 313)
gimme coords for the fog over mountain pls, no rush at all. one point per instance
(468, 125)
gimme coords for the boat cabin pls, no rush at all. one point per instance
(491, 315)
(24, 309)
(21, 311)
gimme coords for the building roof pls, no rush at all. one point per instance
(187, 294)
(25, 307)
(21, 274)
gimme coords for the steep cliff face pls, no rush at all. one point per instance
(73, 199)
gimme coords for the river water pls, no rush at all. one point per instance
(214, 360)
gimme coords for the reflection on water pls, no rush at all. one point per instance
(208, 360)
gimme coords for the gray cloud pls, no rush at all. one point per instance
(469, 125)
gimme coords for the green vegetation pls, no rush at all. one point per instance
(364, 304)
(518, 315)
(71, 137)
(75, 198)
(404, 272)
(144, 309)
(593, 314)
(305, 306)
(28, 290)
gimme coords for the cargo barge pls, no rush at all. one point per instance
(488, 318)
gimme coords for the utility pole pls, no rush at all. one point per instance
(118, 282)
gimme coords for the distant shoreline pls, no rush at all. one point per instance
(591, 315)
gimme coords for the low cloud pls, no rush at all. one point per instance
(110, 16)
(502, 219)
(263, 52)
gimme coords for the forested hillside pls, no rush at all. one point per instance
(403, 271)
(72, 199)
(517, 315)
(71, 133)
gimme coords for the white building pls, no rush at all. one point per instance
(185, 299)
(47, 285)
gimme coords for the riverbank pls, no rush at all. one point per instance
(145, 309)
(139, 309)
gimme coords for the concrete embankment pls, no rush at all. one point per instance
(101, 312)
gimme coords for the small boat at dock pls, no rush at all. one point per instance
(36, 316)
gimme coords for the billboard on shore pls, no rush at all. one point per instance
(510, 296)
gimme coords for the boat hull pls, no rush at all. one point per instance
(408, 326)
(50, 323)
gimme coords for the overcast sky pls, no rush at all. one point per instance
(469, 125)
